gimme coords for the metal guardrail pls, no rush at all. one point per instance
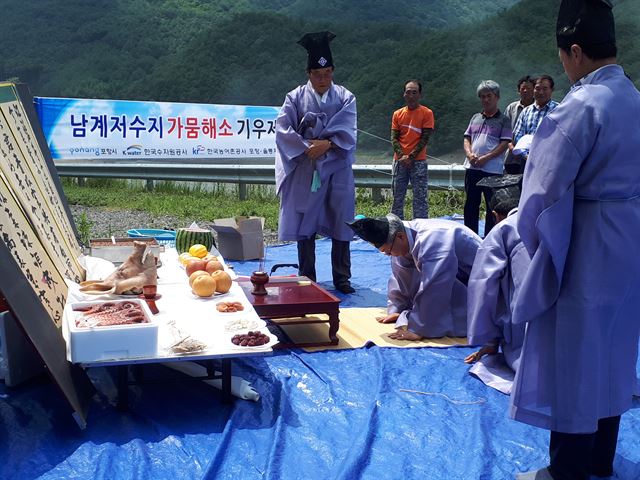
(368, 176)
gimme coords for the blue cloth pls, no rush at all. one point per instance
(334, 415)
(579, 218)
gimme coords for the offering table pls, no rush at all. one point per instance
(292, 298)
(184, 315)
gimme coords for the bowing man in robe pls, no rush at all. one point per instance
(501, 263)
(315, 148)
(432, 259)
(579, 218)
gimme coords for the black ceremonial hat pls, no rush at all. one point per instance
(318, 51)
(504, 199)
(585, 22)
(506, 191)
(372, 230)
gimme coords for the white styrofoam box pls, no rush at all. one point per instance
(91, 344)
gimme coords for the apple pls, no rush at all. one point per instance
(213, 266)
(194, 266)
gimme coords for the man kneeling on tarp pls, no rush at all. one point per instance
(432, 259)
(498, 270)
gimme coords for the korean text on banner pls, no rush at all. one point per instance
(119, 129)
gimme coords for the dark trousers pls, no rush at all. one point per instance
(576, 456)
(473, 198)
(340, 260)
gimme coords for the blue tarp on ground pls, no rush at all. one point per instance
(325, 415)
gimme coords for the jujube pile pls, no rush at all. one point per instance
(251, 339)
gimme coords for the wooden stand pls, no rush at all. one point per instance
(295, 300)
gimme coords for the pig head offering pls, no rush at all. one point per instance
(129, 278)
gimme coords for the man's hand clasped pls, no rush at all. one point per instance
(406, 161)
(318, 148)
(475, 160)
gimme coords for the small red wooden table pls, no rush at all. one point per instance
(294, 299)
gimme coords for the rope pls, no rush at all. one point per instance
(389, 141)
(450, 199)
(480, 401)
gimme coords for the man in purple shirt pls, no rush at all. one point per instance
(485, 141)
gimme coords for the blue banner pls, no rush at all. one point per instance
(121, 129)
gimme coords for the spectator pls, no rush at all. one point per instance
(411, 127)
(513, 110)
(531, 116)
(485, 141)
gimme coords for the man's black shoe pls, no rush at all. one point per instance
(345, 288)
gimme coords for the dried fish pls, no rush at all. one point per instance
(188, 345)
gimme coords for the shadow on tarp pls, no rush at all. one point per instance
(324, 415)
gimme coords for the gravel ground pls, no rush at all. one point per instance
(105, 223)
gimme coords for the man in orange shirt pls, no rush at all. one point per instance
(411, 127)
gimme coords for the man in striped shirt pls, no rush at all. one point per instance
(532, 115)
(485, 142)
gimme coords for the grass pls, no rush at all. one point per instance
(190, 201)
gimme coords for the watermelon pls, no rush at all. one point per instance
(186, 237)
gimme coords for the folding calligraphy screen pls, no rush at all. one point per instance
(38, 245)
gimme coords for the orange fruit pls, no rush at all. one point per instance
(195, 275)
(204, 286)
(223, 281)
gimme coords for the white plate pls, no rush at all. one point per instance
(247, 308)
(273, 340)
(216, 296)
(257, 324)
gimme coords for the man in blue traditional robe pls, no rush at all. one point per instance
(500, 265)
(315, 148)
(432, 259)
(579, 217)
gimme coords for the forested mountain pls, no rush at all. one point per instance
(245, 51)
